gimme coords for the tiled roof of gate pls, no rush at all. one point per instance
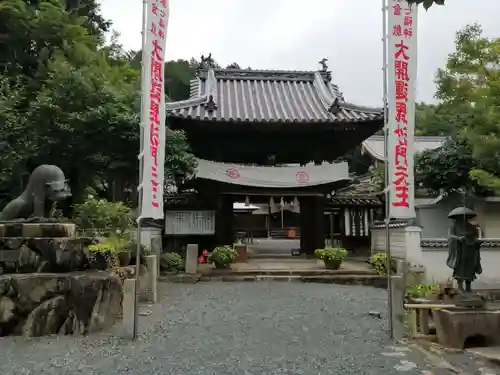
(363, 191)
(268, 96)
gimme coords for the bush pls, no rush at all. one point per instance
(223, 255)
(379, 263)
(171, 262)
(103, 217)
(331, 254)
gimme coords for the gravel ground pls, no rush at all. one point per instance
(234, 328)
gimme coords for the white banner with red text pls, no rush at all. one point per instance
(402, 76)
(153, 108)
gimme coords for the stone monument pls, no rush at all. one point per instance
(46, 286)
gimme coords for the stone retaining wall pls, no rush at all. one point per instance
(38, 304)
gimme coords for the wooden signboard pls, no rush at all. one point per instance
(180, 223)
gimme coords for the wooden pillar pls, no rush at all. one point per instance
(318, 234)
(307, 226)
(312, 224)
(224, 221)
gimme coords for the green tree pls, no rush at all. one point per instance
(445, 170)
(470, 84)
(178, 75)
(436, 119)
(179, 161)
(427, 3)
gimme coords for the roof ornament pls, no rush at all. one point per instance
(206, 62)
(210, 105)
(324, 66)
(335, 107)
(324, 69)
(211, 91)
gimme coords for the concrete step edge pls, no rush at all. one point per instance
(288, 273)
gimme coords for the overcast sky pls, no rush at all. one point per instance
(295, 35)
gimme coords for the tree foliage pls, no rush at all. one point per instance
(468, 88)
(426, 3)
(70, 99)
(470, 84)
(445, 169)
(436, 120)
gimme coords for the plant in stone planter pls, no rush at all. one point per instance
(420, 291)
(222, 256)
(332, 257)
(110, 253)
(378, 261)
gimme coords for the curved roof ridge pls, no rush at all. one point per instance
(374, 145)
(192, 102)
(217, 70)
(325, 96)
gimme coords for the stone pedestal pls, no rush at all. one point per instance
(192, 259)
(152, 291)
(37, 230)
(454, 326)
(41, 247)
(398, 312)
(129, 329)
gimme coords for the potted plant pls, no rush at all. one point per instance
(222, 256)
(332, 257)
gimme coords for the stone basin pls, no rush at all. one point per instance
(454, 326)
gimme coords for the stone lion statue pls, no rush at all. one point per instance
(46, 185)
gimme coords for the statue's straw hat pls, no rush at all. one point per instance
(461, 212)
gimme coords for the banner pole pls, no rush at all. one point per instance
(141, 172)
(386, 166)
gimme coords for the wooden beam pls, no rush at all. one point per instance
(428, 306)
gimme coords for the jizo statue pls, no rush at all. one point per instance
(464, 248)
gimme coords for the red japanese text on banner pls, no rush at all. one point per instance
(153, 108)
(402, 74)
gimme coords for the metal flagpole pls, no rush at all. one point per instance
(141, 168)
(387, 177)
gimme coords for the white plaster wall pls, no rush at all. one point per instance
(488, 218)
(434, 220)
(397, 241)
(434, 261)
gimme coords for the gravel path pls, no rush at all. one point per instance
(234, 328)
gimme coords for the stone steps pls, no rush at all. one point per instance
(345, 279)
